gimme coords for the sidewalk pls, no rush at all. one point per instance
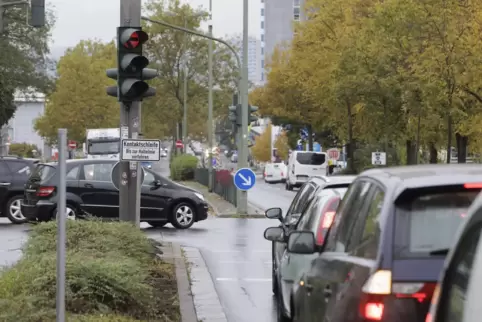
(220, 207)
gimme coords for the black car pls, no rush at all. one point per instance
(14, 173)
(386, 248)
(91, 191)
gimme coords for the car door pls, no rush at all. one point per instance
(324, 268)
(292, 216)
(154, 198)
(99, 196)
(5, 182)
(361, 254)
(458, 286)
(20, 171)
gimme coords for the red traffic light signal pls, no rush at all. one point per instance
(132, 38)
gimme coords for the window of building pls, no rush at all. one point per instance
(262, 24)
(262, 63)
(296, 3)
(262, 37)
(262, 12)
(262, 77)
(296, 13)
(262, 50)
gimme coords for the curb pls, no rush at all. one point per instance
(186, 301)
(253, 216)
(257, 207)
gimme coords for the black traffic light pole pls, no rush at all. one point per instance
(130, 90)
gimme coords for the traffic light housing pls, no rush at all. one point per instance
(235, 114)
(251, 110)
(131, 72)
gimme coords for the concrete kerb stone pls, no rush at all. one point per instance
(171, 253)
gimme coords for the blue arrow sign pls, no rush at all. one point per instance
(244, 179)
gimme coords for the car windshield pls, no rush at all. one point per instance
(429, 222)
(310, 158)
(104, 147)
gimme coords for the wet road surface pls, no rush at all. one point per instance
(12, 237)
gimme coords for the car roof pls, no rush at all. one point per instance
(427, 175)
(83, 161)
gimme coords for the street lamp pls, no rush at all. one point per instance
(185, 72)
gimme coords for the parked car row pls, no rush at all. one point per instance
(374, 247)
(91, 192)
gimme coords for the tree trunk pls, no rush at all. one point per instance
(461, 142)
(350, 147)
(433, 158)
(411, 147)
(449, 138)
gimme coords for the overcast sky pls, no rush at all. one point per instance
(84, 19)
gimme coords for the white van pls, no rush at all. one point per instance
(303, 165)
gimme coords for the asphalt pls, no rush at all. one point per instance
(230, 257)
(12, 238)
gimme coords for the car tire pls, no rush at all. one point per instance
(13, 211)
(288, 186)
(157, 224)
(70, 210)
(183, 215)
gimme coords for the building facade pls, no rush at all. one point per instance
(20, 128)
(254, 53)
(277, 18)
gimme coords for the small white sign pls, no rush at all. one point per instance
(379, 158)
(124, 132)
(141, 150)
(133, 165)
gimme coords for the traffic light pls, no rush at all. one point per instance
(131, 72)
(251, 110)
(235, 114)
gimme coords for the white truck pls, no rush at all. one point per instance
(102, 143)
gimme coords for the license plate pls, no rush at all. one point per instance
(269, 175)
(315, 169)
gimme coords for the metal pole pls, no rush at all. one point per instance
(243, 147)
(210, 99)
(61, 240)
(184, 116)
(130, 16)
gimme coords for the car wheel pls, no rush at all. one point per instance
(183, 216)
(288, 186)
(13, 211)
(157, 224)
(70, 212)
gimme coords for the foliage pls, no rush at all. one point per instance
(170, 51)
(183, 167)
(23, 150)
(282, 146)
(262, 146)
(23, 62)
(79, 100)
(111, 272)
(393, 74)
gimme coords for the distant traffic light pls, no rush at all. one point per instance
(37, 13)
(131, 72)
(235, 114)
(251, 110)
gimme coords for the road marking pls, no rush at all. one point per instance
(233, 279)
(242, 262)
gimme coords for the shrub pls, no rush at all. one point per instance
(183, 167)
(111, 275)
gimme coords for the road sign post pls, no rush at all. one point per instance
(244, 179)
(136, 150)
(333, 154)
(61, 233)
(179, 144)
(72, 144)
(379, 158)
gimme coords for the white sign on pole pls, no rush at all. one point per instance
(124, 131)
(379, 158)
(141, 150)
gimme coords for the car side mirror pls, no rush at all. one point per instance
(274, 213)
(157, 183)
(301, 242)
(275, 234)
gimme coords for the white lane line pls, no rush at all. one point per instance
(242, 262)
(233, 279)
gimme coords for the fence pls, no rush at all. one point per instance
(223, 183)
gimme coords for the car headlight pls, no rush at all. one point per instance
(200, 196)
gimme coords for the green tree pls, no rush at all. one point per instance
(282, 146)
(25, 150)
(168, 50)
(23, 62)
(262, 146)
(79, 100)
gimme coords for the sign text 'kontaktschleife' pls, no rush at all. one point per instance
(141, 150)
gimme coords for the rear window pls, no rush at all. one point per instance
(42, 173)
(429, 222)
(310, 158)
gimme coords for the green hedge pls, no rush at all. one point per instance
(111, 275)
(183, 167)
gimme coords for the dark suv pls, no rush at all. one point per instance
(387, 245)
(90, 191)
(14, 173)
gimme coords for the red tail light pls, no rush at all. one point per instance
(379, 286)
(326, 220)
(282, 174)
(473, 186)
(264, 174)
(45, 191)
